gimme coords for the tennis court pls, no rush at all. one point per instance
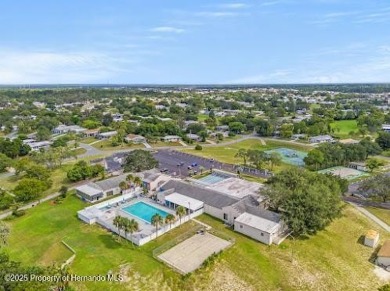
(344, 172)
(213, 178)
(189, 255)
(289, 156)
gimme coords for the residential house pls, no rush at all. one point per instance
(61, 129)
(386, 127)
(171, 138)
(321, 139)
(91, 133)
(358, 166)
(136, 139)
(193, 137)
(95, 191)
(106, 135)
(222, 128)
(151, 181)
(37, 145)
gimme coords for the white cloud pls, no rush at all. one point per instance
(167, 29)
(21, 67)
(234, 5)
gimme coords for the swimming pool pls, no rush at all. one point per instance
(144, 211)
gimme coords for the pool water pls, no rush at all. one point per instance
(144, 211)
(213, 178)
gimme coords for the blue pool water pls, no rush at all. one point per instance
(144, 211)
(213, 178)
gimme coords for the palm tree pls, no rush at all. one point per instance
(170, 218)
(132, 226)
(118, 222)
(123, 185)
(180, 211)
(130, 178)
(157, 220)
(137, 181)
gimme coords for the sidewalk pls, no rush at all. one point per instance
(371, 216)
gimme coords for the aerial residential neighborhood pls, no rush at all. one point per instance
(195, 145)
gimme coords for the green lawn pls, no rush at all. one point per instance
(342, 128)
(79, 151)
(105, 144)
(334, 259)
(382, 214)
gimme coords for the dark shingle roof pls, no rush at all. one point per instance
(208, 196)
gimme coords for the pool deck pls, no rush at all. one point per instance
(105, 217)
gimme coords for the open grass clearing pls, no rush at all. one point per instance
(342, 128)
(106, 144)
(334, 259)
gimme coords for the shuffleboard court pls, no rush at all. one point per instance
(189, 255)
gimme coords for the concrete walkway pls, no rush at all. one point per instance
(371, 216)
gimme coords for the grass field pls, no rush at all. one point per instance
(105, 144)
(382, 214)
(342, 128)
(334, 259)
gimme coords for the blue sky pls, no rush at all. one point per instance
(197, 42)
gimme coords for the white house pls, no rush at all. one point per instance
(193, 137)
(383, 256)
(96, 191)
(105, 135)
(61, 129)
(371, 238)
(151, 181)
(171, 138)
(135, 138)
(265, 227)
(386, 127)
(321, 139)
(37, 145)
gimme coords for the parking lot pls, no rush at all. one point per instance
(177, 163)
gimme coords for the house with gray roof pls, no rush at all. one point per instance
(95, 191)
(246, 214)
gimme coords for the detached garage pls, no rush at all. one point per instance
(267, 230)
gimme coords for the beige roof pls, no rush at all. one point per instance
(372, 234)
(348, 141)
(385, 249)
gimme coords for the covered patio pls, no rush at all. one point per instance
(175, 199)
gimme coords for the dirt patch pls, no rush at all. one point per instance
(223, 278)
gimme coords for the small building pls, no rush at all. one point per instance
(91, 133)
(371, 238)
(298, 136)
(265, 228)
(321, 139)
(105, 135)
(383, 256)
(386, 127)
(117, 117)
(152, 181)
(95, 191)
(137, 139)
(61, 129)
(171, 138)
(37, 145)
(193, 137)
(358, 166)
